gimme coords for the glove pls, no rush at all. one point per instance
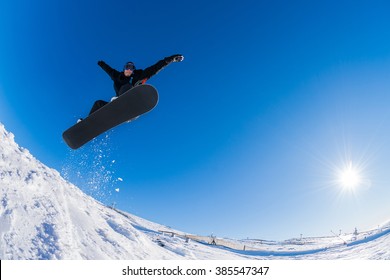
(174, 58)
(178, 58)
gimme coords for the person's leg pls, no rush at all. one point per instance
(124, 88)
(97, 105)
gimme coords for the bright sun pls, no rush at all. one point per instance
(349, 177)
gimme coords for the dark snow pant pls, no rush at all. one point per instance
(97, 105)
(100, 103)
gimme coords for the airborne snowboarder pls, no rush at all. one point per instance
(130, 76)
(133, 98)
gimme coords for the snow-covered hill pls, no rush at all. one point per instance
(42, 216)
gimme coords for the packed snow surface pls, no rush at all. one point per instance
(42, 216)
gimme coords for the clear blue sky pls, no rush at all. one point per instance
(272, 98)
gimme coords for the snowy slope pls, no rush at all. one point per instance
(42, 216)
(45, 217)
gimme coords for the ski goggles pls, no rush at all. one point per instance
(129, 66)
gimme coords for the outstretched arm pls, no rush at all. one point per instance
(107, 68)
(154, 69)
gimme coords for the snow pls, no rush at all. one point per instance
(43, 216)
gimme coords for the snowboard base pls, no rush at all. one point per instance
(130, 105)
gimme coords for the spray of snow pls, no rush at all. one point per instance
(93, 169)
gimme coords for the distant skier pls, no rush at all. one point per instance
(130, 76)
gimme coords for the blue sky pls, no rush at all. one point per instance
(272, 99)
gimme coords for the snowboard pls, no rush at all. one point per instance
(131, 104)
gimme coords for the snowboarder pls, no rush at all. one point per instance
(130, 76)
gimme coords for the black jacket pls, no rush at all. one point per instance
(123, 83)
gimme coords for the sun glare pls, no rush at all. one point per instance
(349, 177)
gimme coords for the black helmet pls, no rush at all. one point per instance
(129, 66)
